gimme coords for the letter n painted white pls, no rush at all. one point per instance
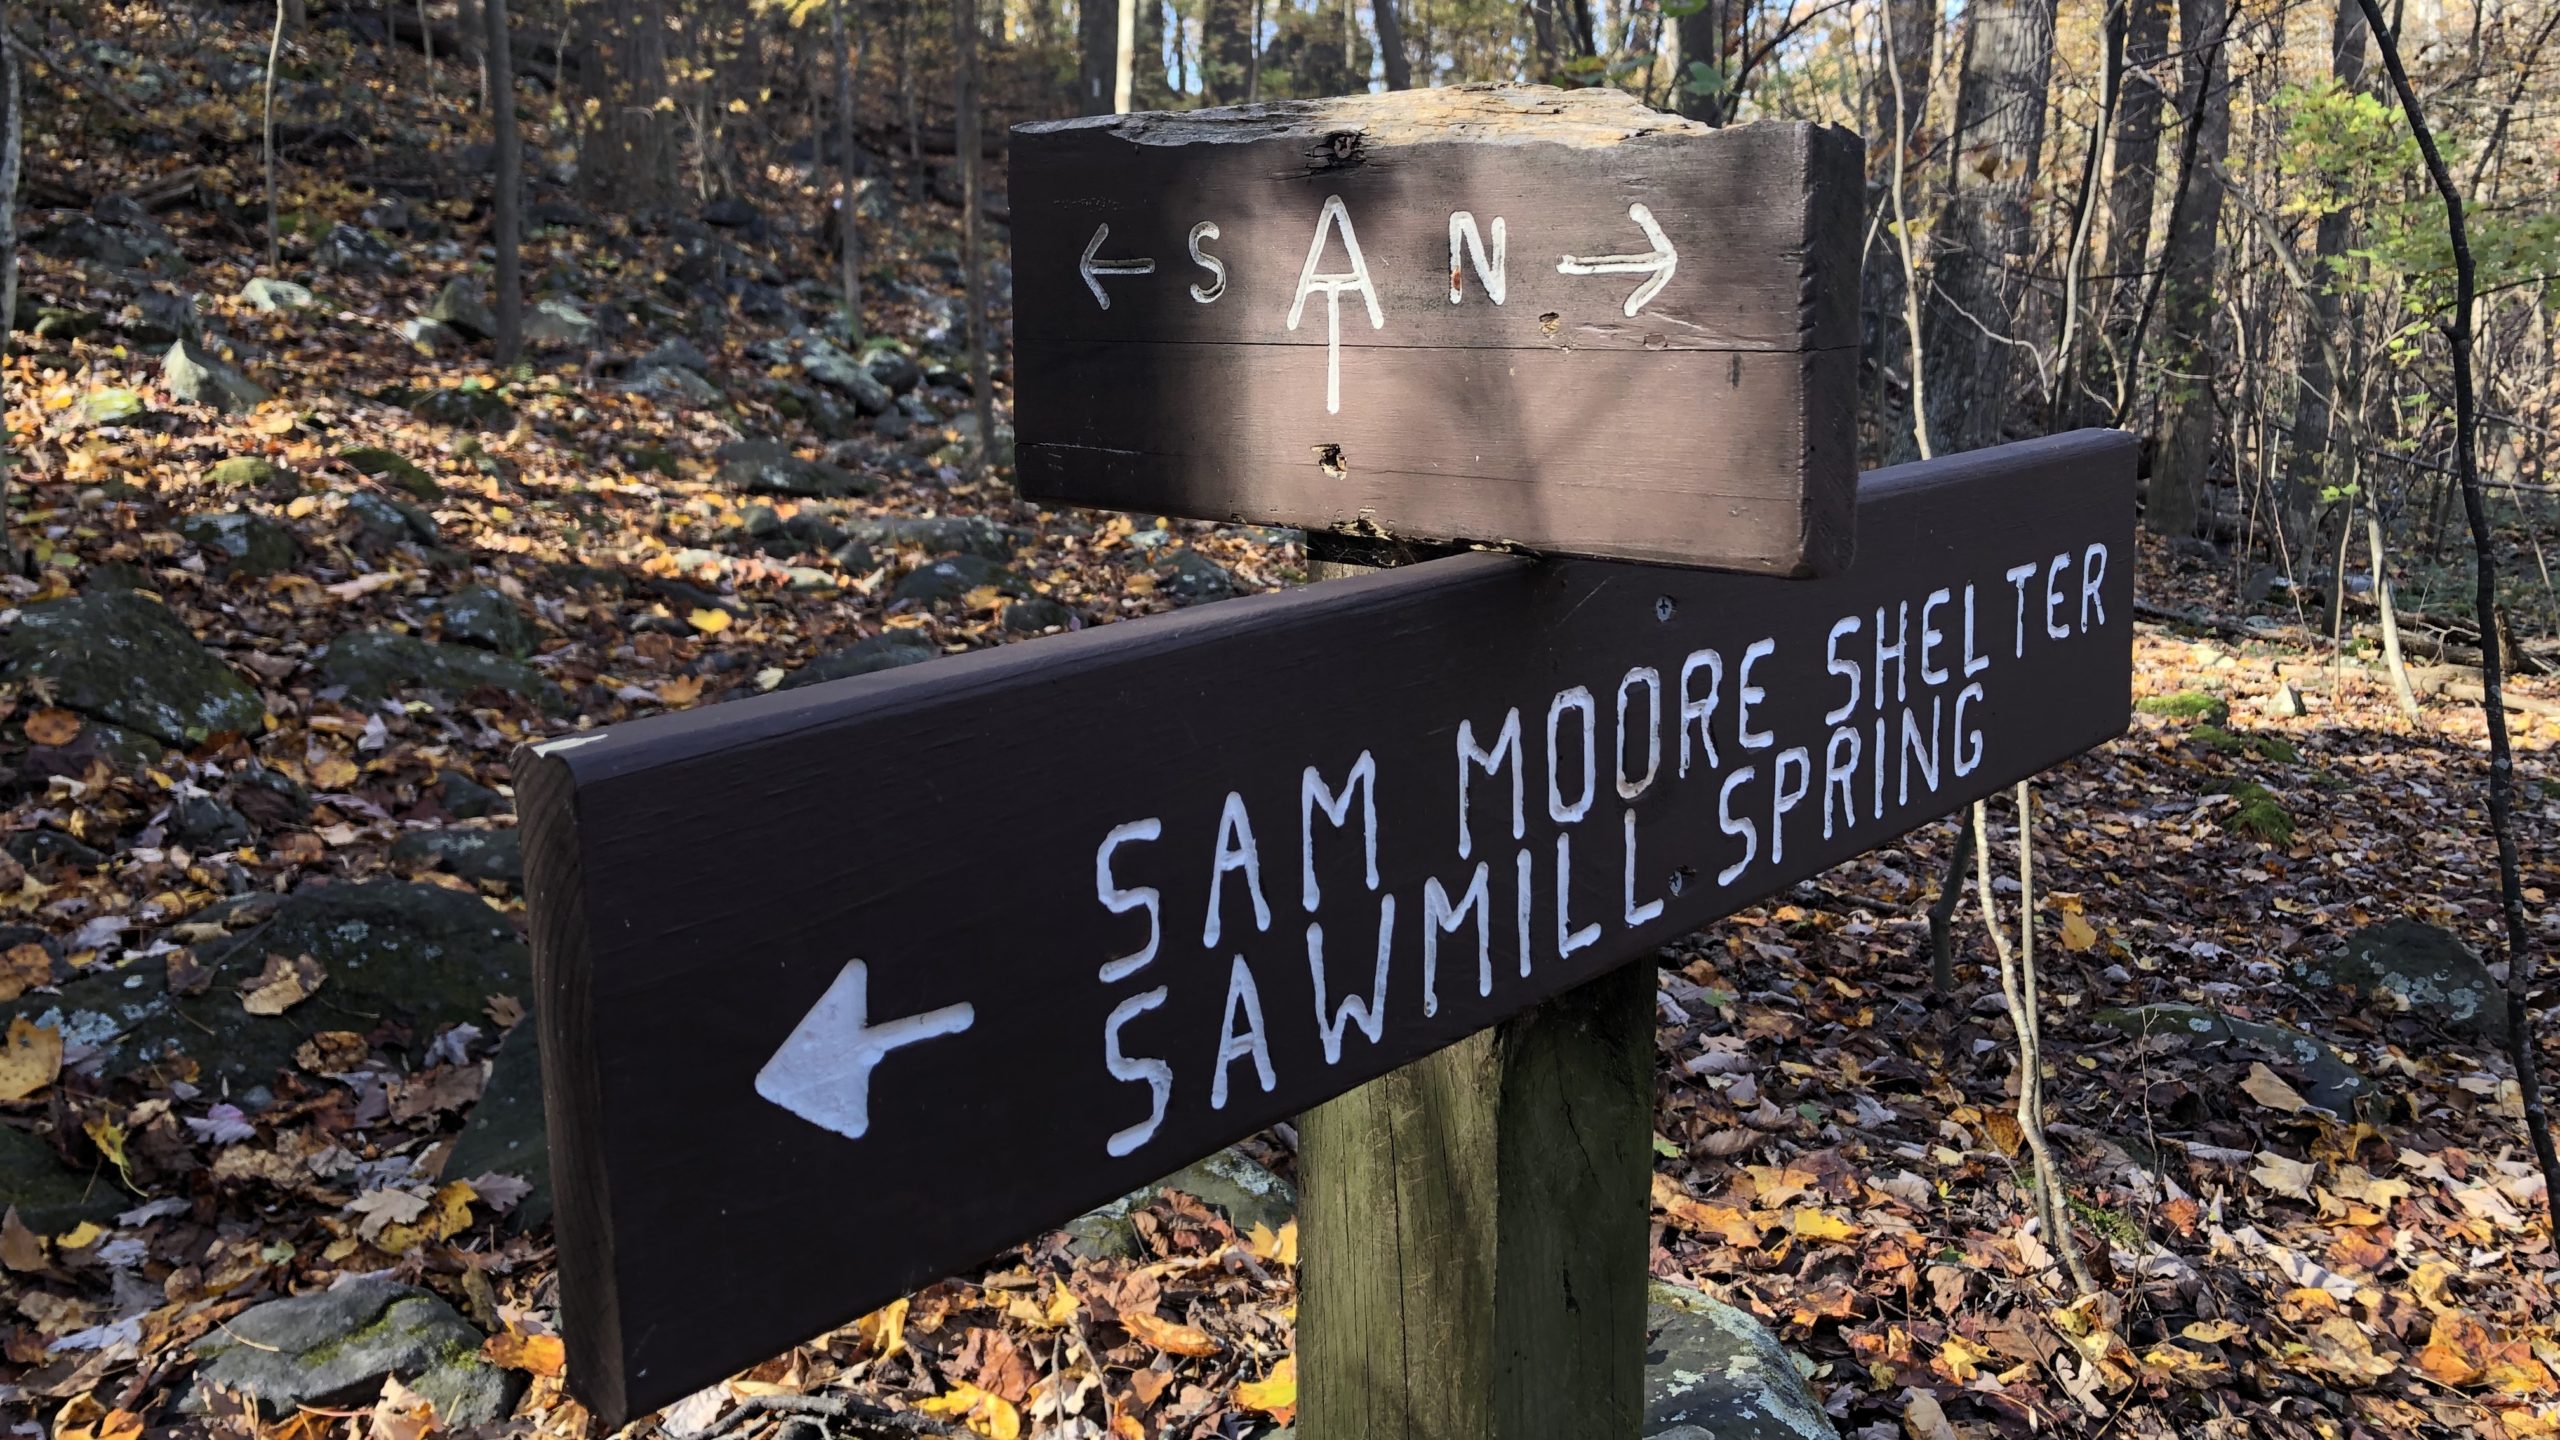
(1473, 756)
(1120, 902)
(1439, 918)
(1369, 1013)
(1234, 1044)
(1236, 851)
(1462, 228)
(1156, 1075)
(1315, 796)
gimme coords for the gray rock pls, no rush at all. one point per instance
(472, 854)
(243, 542)
(1037, 614)
(43, 849)
(270, 297)
(422, 954)
(463, 306)
(1712, 1372)
(1229, 1182)
(203, 823)
(482, 615)
(675, 384)
(350, 251)
(943, 535)
(392, 467)
(766, 467)
(893, 425)
(2284, 702)
(468, 407)
(886, 651)
(955, 576)
(48, 1197)
(85, 237)
(2332, 1083)
(127, 752)
(2427, 967)
(382, 521)
(333, 1348)
(893, 367)
(432, 337)
(679, 352)
(124, 659)
(57, 322)
(1189, 575)
(200, 378)
(372, 664)
(252, 472)
(465, 798)
(165, 318)
(558, 325)
(505, 1133)
(836, 370)
(110, 405)
(388, 213)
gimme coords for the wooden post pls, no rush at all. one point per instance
(1473, 1225)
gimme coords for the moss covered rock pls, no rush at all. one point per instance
(333, 1348)
(123, 658)
(241, 542)
(373, 664)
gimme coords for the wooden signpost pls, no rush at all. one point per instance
(1548, 319)
(845, 988)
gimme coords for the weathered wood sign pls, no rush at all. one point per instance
(847, 987)
(1544, 318)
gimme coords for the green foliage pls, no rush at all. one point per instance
(2269, 747)
(2185, 705)
(2337, 143)
(2259, 815)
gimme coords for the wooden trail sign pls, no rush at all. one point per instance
(844, 988)
(1513, 315)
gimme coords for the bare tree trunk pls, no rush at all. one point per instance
(504, 212)
(1399, 66)
(2315, 407)
(12, 155)
(2390, 620)
(2136, 176)
(964, 101)
(849, 157)
(1253, 58)
(2484, 560)
(2173, 496)
(1097, 50)
(631, 154)
(267, 143)
(1900, 94)
(1124, 59)
(1977, 300)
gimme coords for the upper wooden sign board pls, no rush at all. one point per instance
(1506, 315)
(844, 988)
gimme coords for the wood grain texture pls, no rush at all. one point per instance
(1473, 1230)
(947, 825)
(1192, 392)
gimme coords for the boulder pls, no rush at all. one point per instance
(431, 338)
(464, 798)
(679, 352)
(2332, 1083)
(163, 317)
(85, 237)
(393, 468)
(56, 322)
(766, 467)
(1230, 1182)
(675, 384)
(505, 1133)
(467, 407)
(252, 472)
(1189, 576)
(482, 615)
(1036, 615)
(123, 658)
(199, 378)
(242, 542)
(110, 405)
(333, 1348)
(350, 251)
(49, 1197)
(954, 577)
(836, 370)
(893, 367)
(371, 664)
(202, 823)
(558, 325)
(463, 307)
(382, 522)
(41, 850)
(472, 854)
(126, 752)
(886, 651)
(1712, 1372)
(421, 954)
(2427, 967)
(269, 297)
(943, 535)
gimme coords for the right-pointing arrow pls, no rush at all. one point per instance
(1659, 264)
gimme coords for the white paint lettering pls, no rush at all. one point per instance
(1782, 800)
(2018, 576)
(1333, 283)
(1636, 914)
(1234, 1044)
(1931, 637)
(1845, 669)
(1732, 824)
(1121, 902)
(1462, 230)
(1747, 695)
(1569, 939)
(1314, 796)
(1577, 699)
(1698, 712)
(1651, 679)
(1898, 652)
(1369, 1013)
(1837, 772)
(1973, 664)
(1470, 755)
(1440, 918)
(1965, 765)
(1236, 851)
(2053, 597)
(1156, 1075)
(2093, 573)
(1913, 749)
(1217, 268)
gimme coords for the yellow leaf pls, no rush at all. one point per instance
(302, 505)
(2268, 1088)
(682, 690)
(80, 1236)
(988, 1414)
(1808, 1223)
(1280, 1249)
(30, 1059)
(1275, 1394)
(108, 1136)
(2077, 933)
(1959, 1360)
(533, 1354)
(1167, 1335)
(710, 620)
(884, 1331)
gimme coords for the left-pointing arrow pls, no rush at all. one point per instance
(1090, 268)
(1659, 264)
(823, 1072)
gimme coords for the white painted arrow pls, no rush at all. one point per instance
(1659, 264)
(1090, 267)
(823, 1072)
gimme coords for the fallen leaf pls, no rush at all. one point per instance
(23, 968)
(1923, 1418)
(108, 1136)
(2289, 1178)
(1271, 1249)
(533, 1354)
(709, 620)
(80, 1236)
(331, 1052)
(21, 1249)
(30, 1058)
(1167, 1335)
(2457, 1350)
(1275, 1394)
(2269, 1089)
(282, 985)
(2340, 1346)
(884, 1331)
(988, 1415)
(53, 725)
(2077, 933)
(401, 1413)
(1806, 1222)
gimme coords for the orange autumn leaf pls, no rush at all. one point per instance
(988, 1414)
(53, 725)
(533, 1354)
(1167, 1335)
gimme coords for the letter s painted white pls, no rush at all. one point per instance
(1217, 268)
(1120, 902)
(1155, 1074)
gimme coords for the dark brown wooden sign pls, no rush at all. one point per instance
(1511, 315)
(847, 987)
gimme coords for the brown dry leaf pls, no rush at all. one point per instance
(2457, 1350)
(401, 1414)
(2341, 1347)
(533, 1354)
(185, 976)
(2077, 933)
(331, 1052)
(1923, 1418)
(2269, 1089)
(1167, 1335)
(1126, 1427)
(53, 725)
(282, 985)
(332, 771)
(30, 1058)
(2001, 1129)
(2289, 1178)
(21, 1249)
(1275, 1394)
(23, 968)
